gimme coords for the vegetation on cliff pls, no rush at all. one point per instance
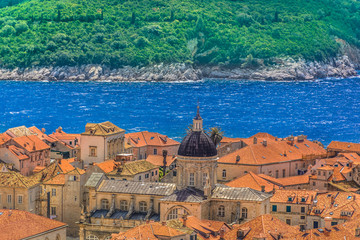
(142, 32)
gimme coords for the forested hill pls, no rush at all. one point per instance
(143, 32)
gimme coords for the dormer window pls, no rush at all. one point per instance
(303, 199)
(290, 199)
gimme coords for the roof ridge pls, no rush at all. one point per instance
(142, 133)
(252, 152)
(20, 179)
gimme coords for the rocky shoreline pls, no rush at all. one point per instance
(284, 70)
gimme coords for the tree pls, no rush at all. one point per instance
(216, 135)
(133, 18)
(59, 7)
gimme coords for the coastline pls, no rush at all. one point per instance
(286, 69)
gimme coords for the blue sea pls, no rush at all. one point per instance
(325, 110)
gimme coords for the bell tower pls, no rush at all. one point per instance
(197, 121)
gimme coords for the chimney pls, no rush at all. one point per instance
(240, 234)
(264, 142)
(328, 221)
(43, 130)
(163, 223)
(357, 231)
(184, 218)
(222, 234)
(263, 188)
(164, 160)
(255, 140)
(237, 158)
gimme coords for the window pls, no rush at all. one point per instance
(123, 205)
(302, 217)
(152, 173)
(142, 206)
(224, 173)
(274, 208)
(204, 179)
(72, 178)
(288, 221)
(53, 192)
(156, 172)
(316, 224)
(92, 151)
(284, 172)
(9, 198)
(244, 213)
(302, 227)
(288, 208)
(155, 151)
(277, 173)
(323, 173)
(146, 175)
(53, 211)
(139, 178)
(296, 166)
(104, 204)
(302, 209)
(20, 199)
(333, 223)
(92, 237)
(221, 211)
(173, 214)
(191, 179)
(314, 183)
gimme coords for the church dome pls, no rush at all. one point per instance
(197, 144)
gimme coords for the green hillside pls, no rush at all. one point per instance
(120, 32)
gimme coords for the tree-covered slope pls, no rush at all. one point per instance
(142, 32)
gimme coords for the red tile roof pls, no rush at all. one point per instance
(4, 138)
(293, 196)
(140, 139)
(205, 227)
(344, 146)
(253, 181)
(266, 226)
(31, 143)
(18, 152)
(149, 231)
(16, 224)
(158, 160)
(273, 152)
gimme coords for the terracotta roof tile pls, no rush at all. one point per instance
(344, 146)
(253, 181)
(293, 196)
(266, 226)
(149, 231)
(4, 138)
(16, 224)
(101, 129)
(158, 160)
(145, 138)
(31, 143)
(18, 152)
(273, 152)
(288, 181)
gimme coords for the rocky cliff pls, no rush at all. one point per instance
(285, 69)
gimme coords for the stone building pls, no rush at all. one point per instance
(100, 142)
(26, 153)
(114, 205)
(275, 157)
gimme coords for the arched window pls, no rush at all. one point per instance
(173, 214)
(221, 211)
(177, 212)
(58, 237)
(224, 173)
(123, 205)
(104, 204)
(142, 206)
(244, 213)
(108, 238)
(92, 237)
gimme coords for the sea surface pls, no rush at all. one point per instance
(324, 110)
